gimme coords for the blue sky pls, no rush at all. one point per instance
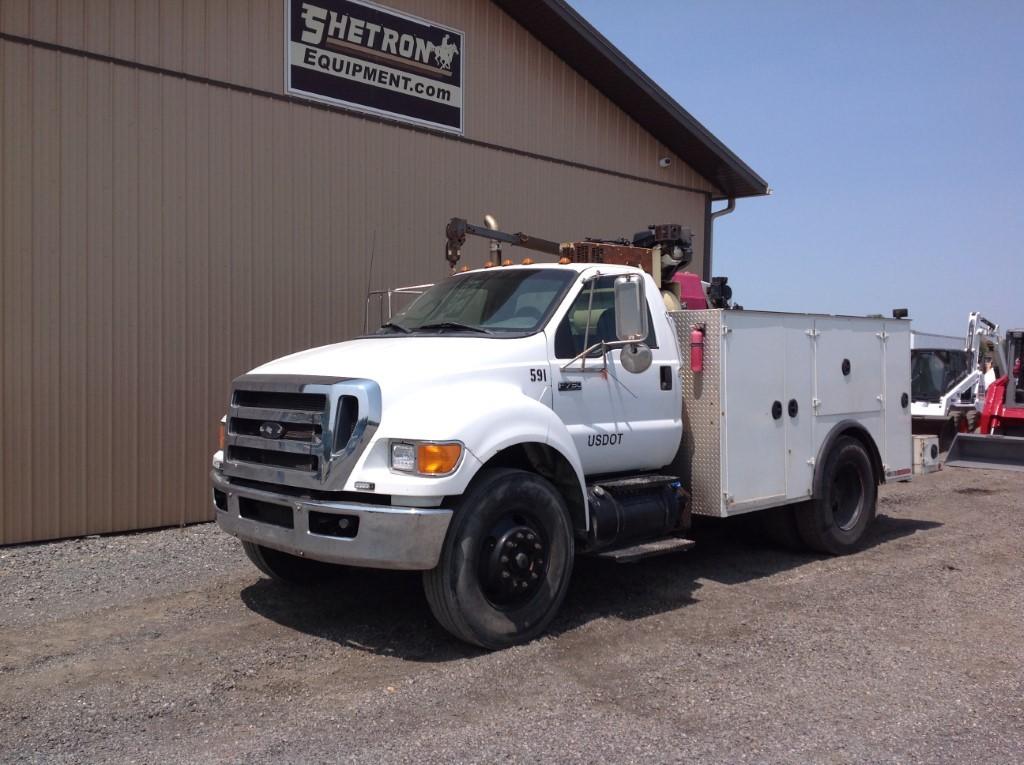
(892, 134)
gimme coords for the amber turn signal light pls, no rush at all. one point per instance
(220, 435)
(438, 459)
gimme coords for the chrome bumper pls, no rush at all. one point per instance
(408, 538)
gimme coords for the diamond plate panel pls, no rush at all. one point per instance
(702, 411)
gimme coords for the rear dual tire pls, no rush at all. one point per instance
(835, 522)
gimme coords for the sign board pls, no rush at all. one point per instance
(364, 56)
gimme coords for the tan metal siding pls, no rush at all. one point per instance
(519, 93)
(160, 237)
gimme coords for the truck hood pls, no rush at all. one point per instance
(400, 360)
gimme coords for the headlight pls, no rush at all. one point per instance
(425, 457)
(403, 456)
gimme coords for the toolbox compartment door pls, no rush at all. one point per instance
(754, 373)
(798, 409)
(848, 376)
(897, 444)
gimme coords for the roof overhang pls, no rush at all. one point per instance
(586, 50)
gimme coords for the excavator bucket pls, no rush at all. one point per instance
(973, 450)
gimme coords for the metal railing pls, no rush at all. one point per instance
(385, 299)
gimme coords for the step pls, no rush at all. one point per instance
(647, 550)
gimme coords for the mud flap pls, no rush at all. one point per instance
(972, 450)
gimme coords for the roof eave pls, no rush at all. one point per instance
(571, 37)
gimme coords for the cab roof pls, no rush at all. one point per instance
(579, 268)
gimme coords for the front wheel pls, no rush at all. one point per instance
(836, 521)
(506, 562)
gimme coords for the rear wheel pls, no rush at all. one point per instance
(835, 522)
(289, 568)
(506, 562)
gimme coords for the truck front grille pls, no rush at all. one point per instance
(299, 431)
(277, 428)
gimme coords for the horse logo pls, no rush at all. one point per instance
(445, 53)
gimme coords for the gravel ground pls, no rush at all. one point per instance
(169, 647)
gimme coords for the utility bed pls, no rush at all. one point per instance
(773, 388)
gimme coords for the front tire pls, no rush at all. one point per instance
(289, 569)
(506, 561)
(836, 521)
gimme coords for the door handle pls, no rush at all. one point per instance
(666, 378)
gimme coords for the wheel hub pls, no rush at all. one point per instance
(513, 562)
(847, 498)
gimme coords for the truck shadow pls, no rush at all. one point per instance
(729, 551)
(385, 612)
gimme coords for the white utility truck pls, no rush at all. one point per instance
(515, 416)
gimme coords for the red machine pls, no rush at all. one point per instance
(1003, 412)
(999, 442)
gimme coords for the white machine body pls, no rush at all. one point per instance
(938, 392)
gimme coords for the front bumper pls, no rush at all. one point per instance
(407, 538)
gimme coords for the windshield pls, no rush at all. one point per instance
(933, 372)
(503, 303)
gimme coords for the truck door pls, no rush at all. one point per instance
(619, 421)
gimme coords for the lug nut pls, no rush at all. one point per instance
(505, 575)
(504, 559)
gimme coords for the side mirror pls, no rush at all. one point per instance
(630, 309)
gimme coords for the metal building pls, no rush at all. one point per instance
(192, 187)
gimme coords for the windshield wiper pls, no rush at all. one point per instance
(395, 325)
(455, 325)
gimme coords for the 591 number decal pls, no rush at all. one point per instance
(538, 375)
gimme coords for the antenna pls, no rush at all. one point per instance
(369, 283)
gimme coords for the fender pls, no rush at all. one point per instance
(840, 428)
(486, 418)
